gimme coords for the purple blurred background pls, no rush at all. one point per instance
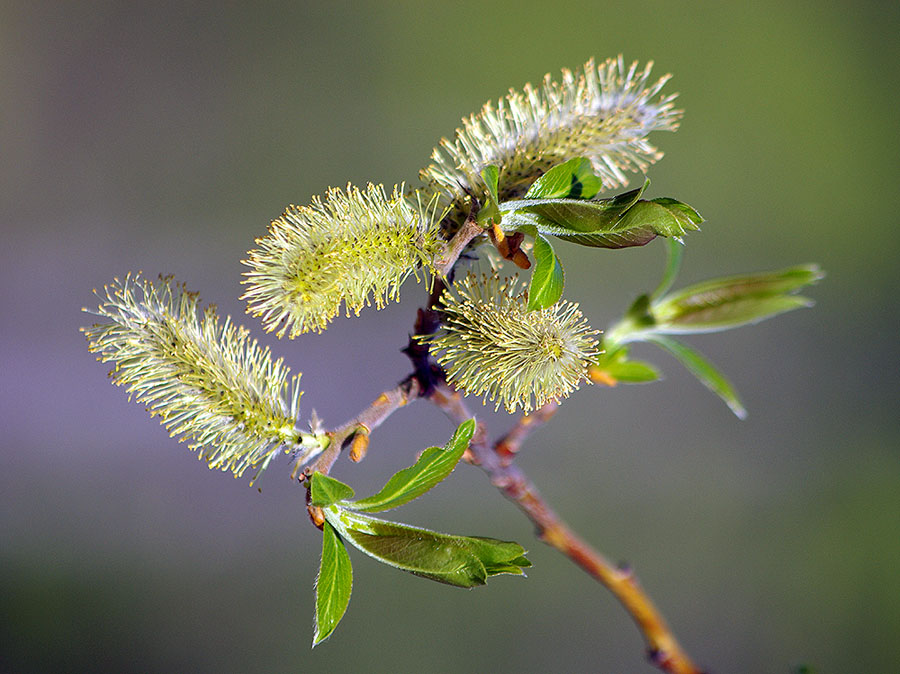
(164, 136)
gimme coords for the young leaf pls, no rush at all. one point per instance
(702, 369)
(325, 490)
(619, 222)
(627, 372)
(720, 304)
(642, 223)
(686, 214)
(613, 367)
(731, 314)
(491, 175)
(463, 561)
(333, 584)
(499, 556)
(547, 278)
(490, 212)
(639, 313)
(433, 466)
(574, 179)
(567, 217)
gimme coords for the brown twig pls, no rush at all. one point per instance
(509, 445)
(355, 432)
(664, 650)
(454, 248)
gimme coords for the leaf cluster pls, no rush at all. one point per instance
(461, 561)
(710, 306)
(563, 203)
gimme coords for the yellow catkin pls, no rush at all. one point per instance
(490, 345)
(208, 381)
(352, 249)
(602, 112)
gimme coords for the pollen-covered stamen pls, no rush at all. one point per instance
(490, 345)
(355, 247)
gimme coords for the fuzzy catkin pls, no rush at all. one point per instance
(490, 344)
(209, 382)
(354, 247)
(602, 112)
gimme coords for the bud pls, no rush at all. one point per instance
(490, 344)
(209, 383)
(354, 247)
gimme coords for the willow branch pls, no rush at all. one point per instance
(509, 445)
(664, 650)
(455, 246)
(428, 382)
(355, 433)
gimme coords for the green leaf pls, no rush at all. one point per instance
(702, 369)
(490, 211)
(499, 556)
(674, 253)
(433, 466)
(568, 217)
(574, 179)
(325, 490)
(463, 561)
(614, 366)
(491, 177)
(637, 322)
(687, 214)
(723, 303)
(633, 372)
(731, 314)
(333, 585)
(622, 221)
(643, 222)
(547, 277)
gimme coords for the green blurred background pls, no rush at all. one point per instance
(164, 136)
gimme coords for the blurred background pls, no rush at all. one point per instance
(164, 136)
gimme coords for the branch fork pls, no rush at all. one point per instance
(497, 460)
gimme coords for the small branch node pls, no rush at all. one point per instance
(455, 246)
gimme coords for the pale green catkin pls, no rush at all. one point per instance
(208, 382)
(603, 113)
(354, 247)
(490, 344)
